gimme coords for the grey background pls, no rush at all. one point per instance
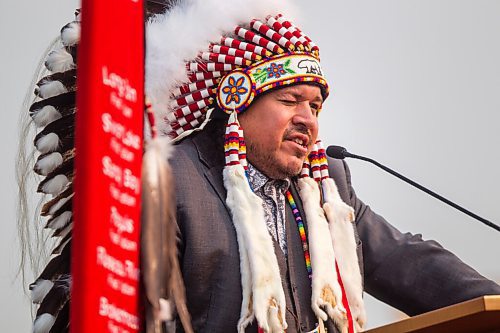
(415, 84)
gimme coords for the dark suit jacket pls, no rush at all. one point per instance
(402, 270)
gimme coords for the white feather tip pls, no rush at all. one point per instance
(55, 185)
(49, 163)
(47, 143)
(51, 88)
(59, 61)
(70, 34)
(40, 290)
(43, 323)
(44, 116)
(60, 221)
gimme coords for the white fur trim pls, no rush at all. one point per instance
(59, 61)
(40, 290)
(43, 323)
(341, 218)
(324, 279)
(51, 88)
(70, 34)
(185, 30)
(256, 247)
(55, 185)
(46, 115)
(48, 163)
(47, 143)
(60, 221)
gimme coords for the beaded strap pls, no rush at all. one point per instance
(305, 248)
(302, 232)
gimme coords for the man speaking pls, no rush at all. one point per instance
(272, 235)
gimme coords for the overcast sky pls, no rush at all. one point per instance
(415, 85)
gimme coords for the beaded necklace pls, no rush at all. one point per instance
(305, 247)
(302, 231)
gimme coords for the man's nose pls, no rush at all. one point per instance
(305, 115)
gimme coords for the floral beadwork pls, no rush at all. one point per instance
(273, 71)
(234, 90)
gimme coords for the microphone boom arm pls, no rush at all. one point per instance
(426, 190)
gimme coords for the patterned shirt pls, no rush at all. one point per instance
(273, 194)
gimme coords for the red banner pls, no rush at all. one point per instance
(109, 126)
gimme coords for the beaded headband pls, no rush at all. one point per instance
(239, 88)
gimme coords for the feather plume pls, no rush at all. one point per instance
(54, 185)
(63, 204)
(57, 266)
(70, 34)
(47, 143)
(50, 89)
(64, 231)
(45, 115)
(61, 325)
(55, 112)
(63, 103)
(60, 221)
(52, 304)
(50, 207)
(48, 163)
(59, 61)
(65, 168)
(68, 79)
(78, 15)
(62, 244)
(158, 239)
(64, 129)
(43, 323)
(40, 290)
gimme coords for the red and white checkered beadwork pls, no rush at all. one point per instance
(254, 49)
(316, 164)
(323, 162)
(273, 35)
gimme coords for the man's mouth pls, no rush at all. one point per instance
(300, 142)
(300, 139)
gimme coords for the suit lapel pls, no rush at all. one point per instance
(299, 279)
(210, 146)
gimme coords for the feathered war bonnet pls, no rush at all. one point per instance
(212, 54)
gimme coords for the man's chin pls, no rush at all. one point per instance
(291, 168)
(280, 165)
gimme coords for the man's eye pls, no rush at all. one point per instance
(315, 108)
(288, 101)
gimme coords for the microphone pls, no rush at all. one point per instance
(340, 153)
